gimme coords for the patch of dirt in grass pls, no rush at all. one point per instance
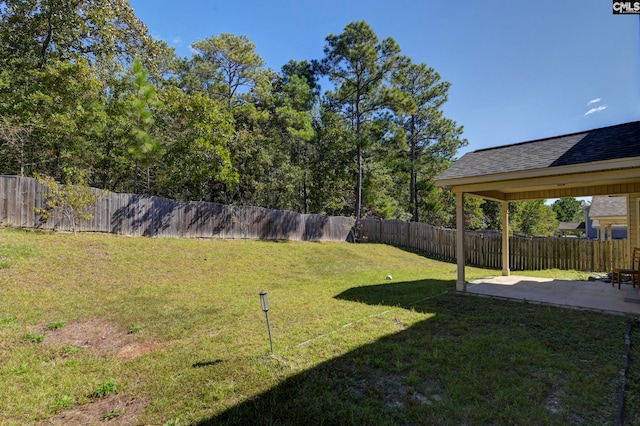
(101, 336)
(114, 410)
(393, 390)
(396, 394)
(554, 404)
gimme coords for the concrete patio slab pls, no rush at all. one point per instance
(591, 295)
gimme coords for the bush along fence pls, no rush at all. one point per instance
(485, 249)
(141, 215)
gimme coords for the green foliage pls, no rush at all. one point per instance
(359, 65)
(492, 213)
(569, 210)
(224, 64)
(197, 156)
(141, 104)
(134, 329)
(33, 338)
(51, 30)
(63, 402)
(55, 325)
(56, 114)
(104, 389)
(70, 350)
(430, 140)
(331, 168)
(532, 218)
(17, 140)
(7, 320)
(73, 202)
(473, 214)
(84, 87)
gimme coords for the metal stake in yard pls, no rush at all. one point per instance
(264, 301)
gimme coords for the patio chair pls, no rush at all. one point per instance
(633, 271)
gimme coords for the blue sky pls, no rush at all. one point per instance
(520, 70)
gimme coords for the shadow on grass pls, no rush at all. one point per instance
(474, 361)
(402, 294)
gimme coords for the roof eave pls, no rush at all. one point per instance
(595, 166)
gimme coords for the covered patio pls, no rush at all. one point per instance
(604, 161)
(589, 295)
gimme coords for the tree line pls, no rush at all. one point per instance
(86, 93)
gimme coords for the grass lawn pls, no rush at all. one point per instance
(125, 330)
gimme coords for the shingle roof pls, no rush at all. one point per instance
(608, 206)
(571, 226)
(606, 143)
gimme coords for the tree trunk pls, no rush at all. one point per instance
(413, 184)
(359, 157)
(359, 183)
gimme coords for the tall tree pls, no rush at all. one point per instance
(141, 104)
(569, 209)
(59, 59)
(359, 66)
(37, 31)
(60, 105)
(224, 64)
(197, 131)
(331, 166)
(432, 140)
(305, 70)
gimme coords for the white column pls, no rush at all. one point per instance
(461, 284)
(505, 238)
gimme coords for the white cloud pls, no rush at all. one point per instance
(594, 101)
(177, 41)
(597, 109)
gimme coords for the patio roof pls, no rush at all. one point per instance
(604, 161)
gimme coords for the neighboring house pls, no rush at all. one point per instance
(571, 228)
(607, 218)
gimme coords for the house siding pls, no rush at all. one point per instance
(592, 233)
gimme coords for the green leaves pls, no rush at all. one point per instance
(73, 202)
(569, 210)
(84, 87)
(532, 218)
(223, 64)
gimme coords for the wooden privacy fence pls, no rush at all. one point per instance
(141, 215)
(485, 249)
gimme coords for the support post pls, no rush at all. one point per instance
(461, 284)
(505, 238)
(633, 221)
